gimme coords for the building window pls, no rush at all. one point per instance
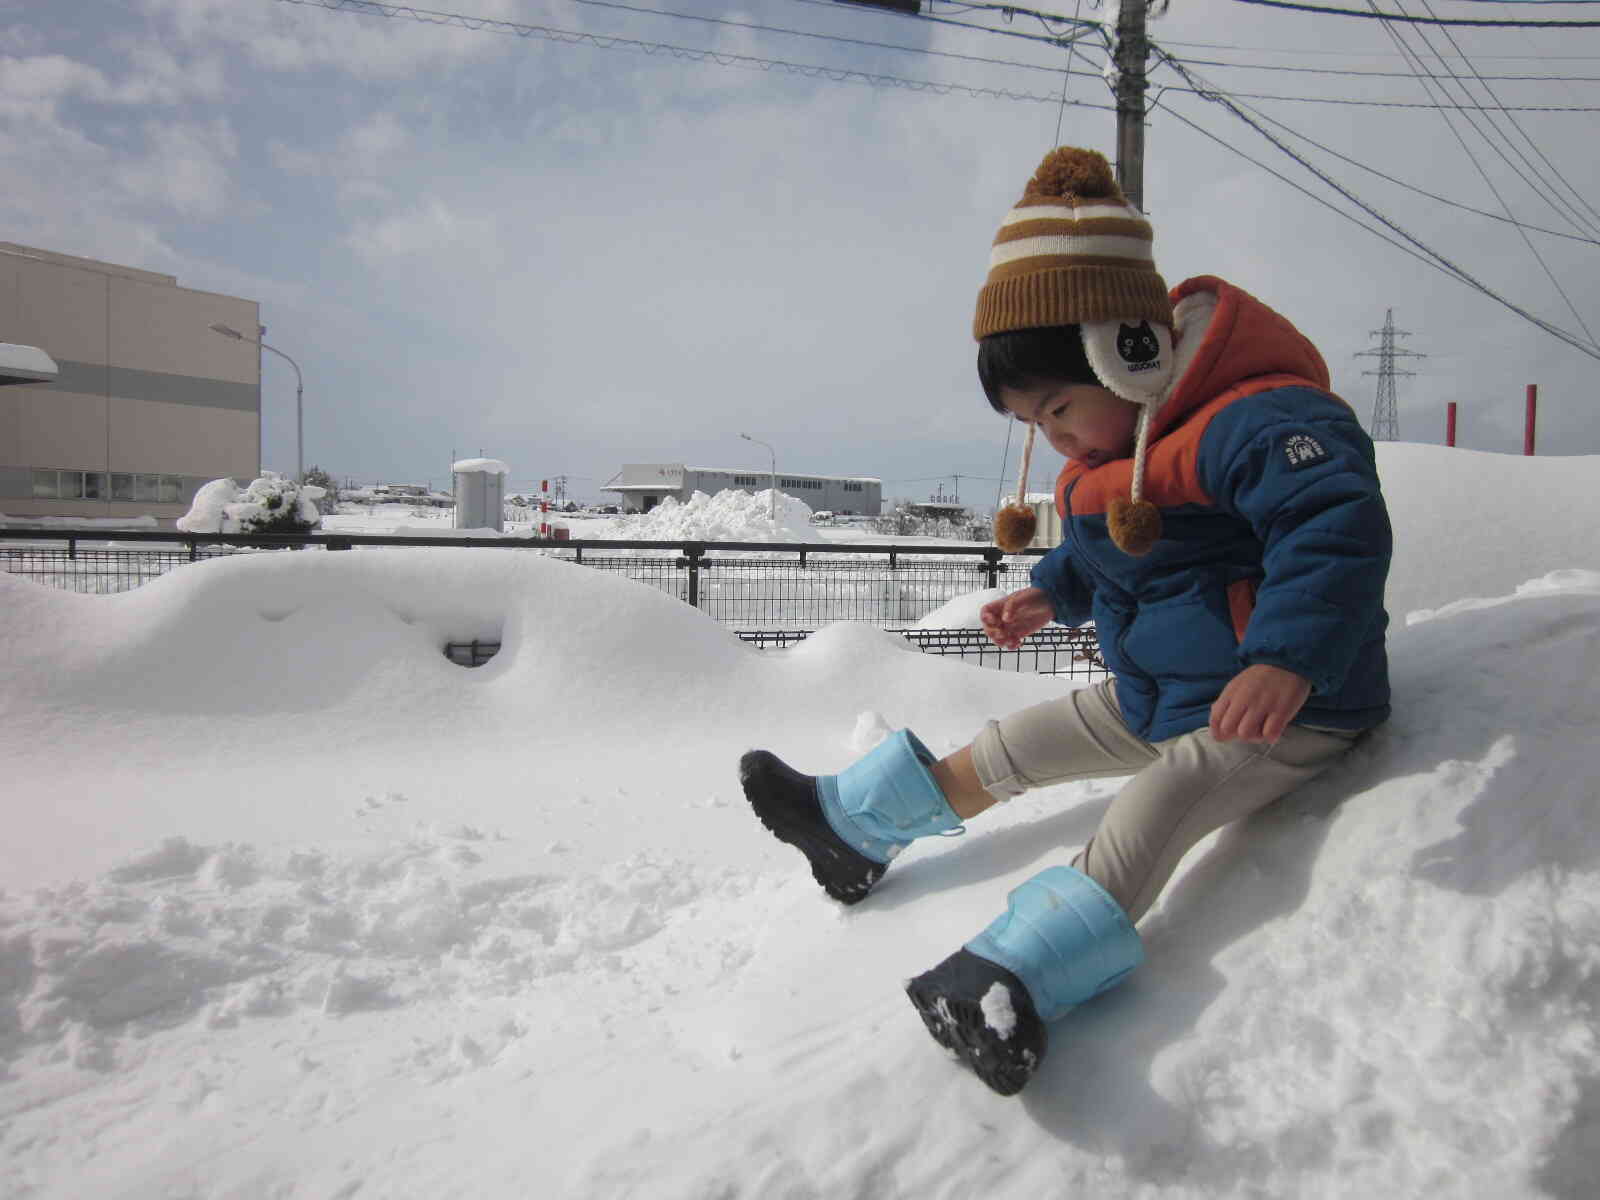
(122, 487)
(745, 481)
(171, 489)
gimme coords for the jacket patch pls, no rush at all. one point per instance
(1302, 450)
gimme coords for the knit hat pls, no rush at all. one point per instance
(1074, 252)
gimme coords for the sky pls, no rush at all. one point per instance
(309, 911)
(571, 257)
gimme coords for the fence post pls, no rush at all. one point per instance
(991, 566)
(692, 551)
(72, 549)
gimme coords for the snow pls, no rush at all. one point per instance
(222, 506)
(998, 1012)
(729, 516)
(295, 907)
(140, 522)
(480, 466)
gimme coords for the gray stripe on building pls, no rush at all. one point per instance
(127, 383)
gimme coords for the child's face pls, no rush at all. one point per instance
(1081, 421)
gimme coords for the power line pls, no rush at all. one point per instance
(1442, 262)
(1008, 10)
(1314, 51)
(689, 53)
(1410, 20)
(1410, 187)
(1352, 103)
(1530, 175)
(1515, 124)
(823, 37)
(1526, 240)
(1207, 62)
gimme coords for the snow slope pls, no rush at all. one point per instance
(295, 907)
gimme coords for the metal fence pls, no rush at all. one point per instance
(770, 594)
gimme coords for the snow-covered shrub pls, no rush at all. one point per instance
(328, 502)
(272, 504)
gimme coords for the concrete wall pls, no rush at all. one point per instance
(150, 402)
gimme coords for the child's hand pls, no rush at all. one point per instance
(1012, 618)
(1258, 704)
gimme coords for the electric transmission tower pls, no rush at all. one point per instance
(1385, 418)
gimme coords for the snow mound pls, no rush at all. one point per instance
(729, 516)
(294, 906)
(270, 504)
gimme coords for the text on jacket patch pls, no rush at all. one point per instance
(1303, 450)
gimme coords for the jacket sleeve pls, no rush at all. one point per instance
(1071, 597)
(1296, 464)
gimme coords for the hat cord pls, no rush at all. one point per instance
(1141, 436)
(1022, 476)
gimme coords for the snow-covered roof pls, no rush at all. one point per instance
(25, 364)
(480, 466)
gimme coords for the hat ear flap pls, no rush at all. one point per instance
(1133, 359)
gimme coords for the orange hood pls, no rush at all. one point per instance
(1242, 339)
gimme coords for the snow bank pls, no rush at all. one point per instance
(143, 522)
(729, 516)
(294, 906)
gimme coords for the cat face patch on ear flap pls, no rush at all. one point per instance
(1132, 358)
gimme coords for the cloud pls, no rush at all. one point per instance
(428, 227)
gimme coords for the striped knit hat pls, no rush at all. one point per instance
(1074, 252)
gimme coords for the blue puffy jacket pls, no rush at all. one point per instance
(1275, 538)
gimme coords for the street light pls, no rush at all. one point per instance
(299, 395)
(772, 496)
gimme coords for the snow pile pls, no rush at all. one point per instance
(965, 612)
(308, 910)
(729, 516)
(271, 504)
(480, 466)
(142, 522)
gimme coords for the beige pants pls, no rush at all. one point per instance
(1182, 788)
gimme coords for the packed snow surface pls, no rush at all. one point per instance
(295, 907)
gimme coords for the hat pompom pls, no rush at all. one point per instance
(1135, 525)
(1013, 527)
(1073, 171)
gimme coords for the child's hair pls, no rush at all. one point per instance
(1028, 357)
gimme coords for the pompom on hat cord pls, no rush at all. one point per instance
(1074, 252)
(1015, 523)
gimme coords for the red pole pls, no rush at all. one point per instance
(1533, 416)
(1450, 423)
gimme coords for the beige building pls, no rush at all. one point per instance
(148, 404)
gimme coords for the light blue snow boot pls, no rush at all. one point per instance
(850, 825)
(1061, 941)
(887, 799)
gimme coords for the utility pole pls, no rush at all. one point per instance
(1131, 50)
(1385, 415)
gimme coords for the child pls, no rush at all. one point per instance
(1225, 531)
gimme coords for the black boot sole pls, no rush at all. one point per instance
(949, 999)
(786, 801)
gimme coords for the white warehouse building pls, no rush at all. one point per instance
(642, 486)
